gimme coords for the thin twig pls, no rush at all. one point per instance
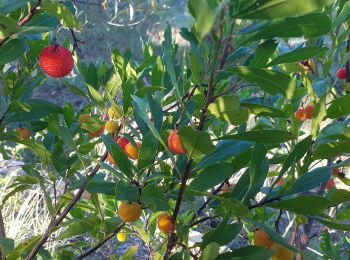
(202, 220)
(277, 221)
(76, 41)
(102, 242)
(25, 20)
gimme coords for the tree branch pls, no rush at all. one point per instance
(102, 242)
(25, 20)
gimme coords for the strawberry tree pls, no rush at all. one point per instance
(243, 131)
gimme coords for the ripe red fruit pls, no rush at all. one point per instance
(121, 141)
(330, 184)
(309, 111)
(301, 115)
(56, 61)
(342, 73)
(174, 143)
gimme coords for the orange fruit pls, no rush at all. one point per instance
(24, 133)
(110, 159)
(132, 151)
(114, 113)
(83, 118)
(261, 238)
(165, 225)
(129, 212)
(309, 110)
(122, 237)
(98, 133)
(280, 252)
(174, 143)
(111, 127)
(300, 115)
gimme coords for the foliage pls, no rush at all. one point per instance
(232, 96)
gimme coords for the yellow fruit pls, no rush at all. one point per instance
(83, 118)
(281, 253)
(114, 113)
(129, 212)
(262, 239)
(131, 151)
(111, 127)
(122, 237)
(24, 133)
(165, 224)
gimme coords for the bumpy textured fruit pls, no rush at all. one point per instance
(122, 237)
(300, 115)
(56, 61)
(131, 151)
(83, 118)
(129, 212)
(309, 111)
(165, 225)
(174, 143)
(122, 142)
(330, 184)
(262, 239)
(98, 133)
(110, 159)
(24, 133)
(280, 252)
(111, 127)
(113, 113)
(342, 73)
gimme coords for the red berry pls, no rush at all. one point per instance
(342, 73)
(174, 143)
(309, 111)
(301, 115)
(56, 61)
(330, 184)
(121, 141)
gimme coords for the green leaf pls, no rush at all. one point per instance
(129, 254)
(297, 55)
(154, 198)
(8, 27)
(103, 187)
(302, 204)
(62, 12)
(228, 108)
(148, 151)
(210, 252)
(273, 82)
(310, 25)
(68, 113)
(227, 233)
(7, 6)
(77, 227)
(211, 176)
(125, 192)
(333, 225)
(262, 136)
(339, 107)
(7, 245)
(247, 253)
(320, 113)
(118, 155)
(343, 16)
(195, 143)
(66, 136)
(11, 50)
(263, 53)
(257, 172)
(269, 9)
(203, 15)
(310, 180)
(96, 97)
(262, 110)
(223, 151)
(339, 196)
(331, 150)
